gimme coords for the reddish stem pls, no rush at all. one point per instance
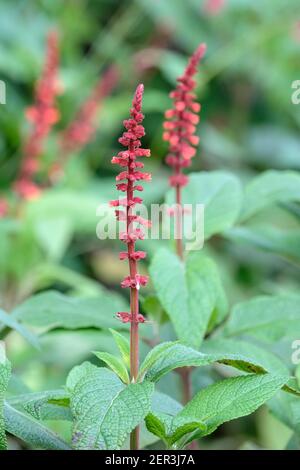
(134, 304)
(179, 215)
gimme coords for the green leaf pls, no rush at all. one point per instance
(266, 318)
(175, 355)
(255, 354)
(286, 408)
(223, 401)
(77, 207)
(271, 187)
(284, 243)
(190, 293)
(54, 235)
(123, 345)
(50, 404)
(55, 310)
(5, 373)
(292, 386)
(116, 365)
(152, 356)
(14, 324)
(160, 403)
(29, 430)
(294, 442)
(221, 194)
(105, 411)
(154, 310)
(230, 399)
(77, 373)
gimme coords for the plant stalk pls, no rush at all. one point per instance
(134, 311)
(185, 373)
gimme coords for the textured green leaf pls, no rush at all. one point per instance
(178, 355)
(115, 364)
(9, 321)
(221, 194)
(55, 310)
(230, 399)
(269, 188)
(123, 345)
(190, 293)
(223, 401)
(152, 356)
(162, 407)
(255, 354)
(267, 318)
(50, 404)
(29, 430)
(105, 411)
(5, 373)
(77, 373)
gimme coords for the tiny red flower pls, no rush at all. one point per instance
(126, 317)
(134, 282)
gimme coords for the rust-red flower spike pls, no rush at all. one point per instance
(213, 7)
(42, 115)
(180, 125)
(81, 130)
(131, 139)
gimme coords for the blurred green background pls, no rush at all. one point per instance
(248, 125)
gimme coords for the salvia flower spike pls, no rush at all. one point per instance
(180, 124)
(180, 128)
(82, 128)
(42, 115)
(126, 183)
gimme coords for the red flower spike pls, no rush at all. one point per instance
(179, 130)
(181, 121)
(126, 182)
(42, 116)
(82, 129)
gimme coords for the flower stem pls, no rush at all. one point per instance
(186, 379)
(179, 245)
(134, 308)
